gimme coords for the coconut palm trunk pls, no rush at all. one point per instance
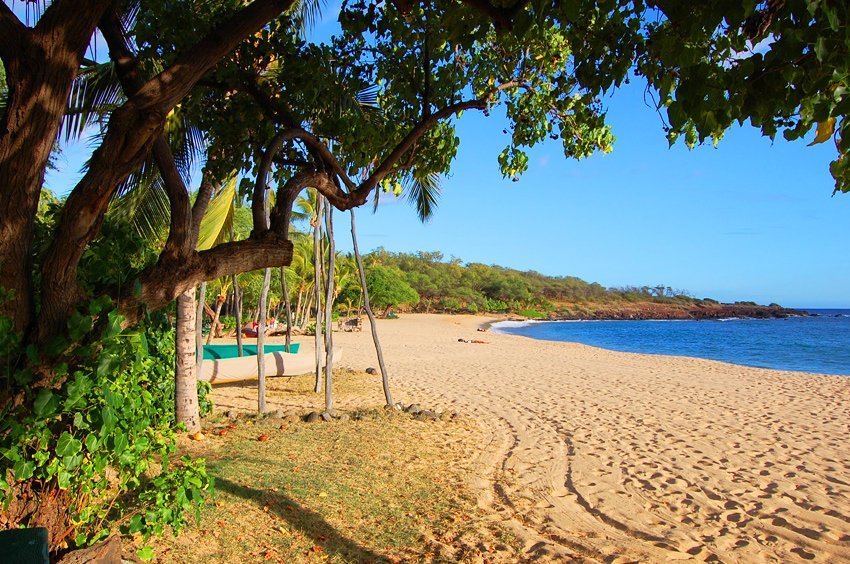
(329, 303)
(385, 379)
(186, 387)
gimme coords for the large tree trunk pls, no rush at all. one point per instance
(41, 65)
(317, 282)
(186, 383)
(385, 379)
(329, 303)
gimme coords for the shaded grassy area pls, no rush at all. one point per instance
(382, 487)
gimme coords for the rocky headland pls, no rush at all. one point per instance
(654, 310)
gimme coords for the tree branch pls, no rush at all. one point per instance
(199, 208)
(258, 199)
(166, 89)
(163, 282)
(385, 167)
(179, 242)
(13, 33)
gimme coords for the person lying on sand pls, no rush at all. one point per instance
(475, 341)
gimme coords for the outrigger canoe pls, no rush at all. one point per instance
(278, 363)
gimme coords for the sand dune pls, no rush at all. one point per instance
(618, 457)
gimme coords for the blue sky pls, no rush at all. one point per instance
(750, 220)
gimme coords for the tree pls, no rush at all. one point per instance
(385, 379)
(388, 288)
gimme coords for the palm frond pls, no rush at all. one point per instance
(308, 13)
(216, 223)
(94, 94)
(187, 141)
(146, 208)
(423, 192)
(130, 13)
(368, 96)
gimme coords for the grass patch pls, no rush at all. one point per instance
(380, 488)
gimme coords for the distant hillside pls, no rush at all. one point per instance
(452, 286)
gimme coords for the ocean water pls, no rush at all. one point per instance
(820, 343)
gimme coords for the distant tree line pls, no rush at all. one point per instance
(451, 286)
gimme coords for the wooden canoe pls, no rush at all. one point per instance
(245, 367)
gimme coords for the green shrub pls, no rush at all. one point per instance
(100, 440)
(228, 323)
(532, 314)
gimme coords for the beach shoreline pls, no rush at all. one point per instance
(595, 454)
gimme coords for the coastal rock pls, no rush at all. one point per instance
(312, 417)
(642, 311)
(371, 370)
(428, 414)
(413, 409)
(326, 416)
(399, 406)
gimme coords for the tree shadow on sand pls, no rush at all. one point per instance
(309, 522)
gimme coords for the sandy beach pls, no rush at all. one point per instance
(617, 457)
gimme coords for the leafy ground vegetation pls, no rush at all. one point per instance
(380, 487)
(98, 453)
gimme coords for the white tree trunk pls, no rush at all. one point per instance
(186, 379)
(329, 304)
(385, 379)
(317, 273)
(261, 339)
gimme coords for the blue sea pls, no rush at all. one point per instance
(820, 343)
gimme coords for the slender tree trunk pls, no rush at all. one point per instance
(385, 379)
(317, 282)
(308, 310)
(261, 326)
(329, 304)
(261, 340)
(199, 326)
(218, 304)
(288, 307)
(186, 383)
(237, 298)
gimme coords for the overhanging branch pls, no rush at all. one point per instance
(163, 282)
